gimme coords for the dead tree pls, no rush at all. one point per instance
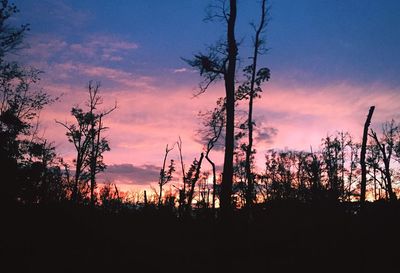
(99, 144)
(213, 124)
(362, 156)
(85, 134)
(165, 176)
(182, 192)
(219, 63)
(386, 148)
(193, 179)
(216, 124)
(250, 89)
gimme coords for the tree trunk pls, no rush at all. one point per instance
(77, 176)
(392, 195)
(257, 42)
(182, 192)
(229, 78)
(193, 185)
(214, 181)
(362, 156)
(161, 182)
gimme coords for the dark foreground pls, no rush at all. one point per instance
(283, 237)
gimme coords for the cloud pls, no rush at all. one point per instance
(265, 135)
(105, 47)
(183, 70)
(130, 174)
(101, 49)
(101, 73)
(305, 114)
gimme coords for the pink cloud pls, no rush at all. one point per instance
(305, 115)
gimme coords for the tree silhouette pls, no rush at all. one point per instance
(220, 62)
(332, 158)
(182, 192)
(214, 122)
(98, 144)
(250, 89)
(89, 145)
(386, 146)
(362, 156)
(21, 102)
(192, 177)
(165, 175)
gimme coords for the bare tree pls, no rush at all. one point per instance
(165, 175)
(386, 147)
(250, 89)
(182, 192)
(362, 156)
(85, 134)
(192, 177)
(220, 62)
(216, 124)
(99, 144)
(213, 124)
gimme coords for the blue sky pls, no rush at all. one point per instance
(311, 40)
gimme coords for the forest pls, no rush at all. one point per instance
(330, 209)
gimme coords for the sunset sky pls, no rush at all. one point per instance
(329, 60)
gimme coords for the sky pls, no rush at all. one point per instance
(329, 60)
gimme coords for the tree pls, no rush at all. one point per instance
(98, 144)
(10, 37)
(362, 156)
(220, 62)
(213, 125)
(250, 89)
(109, 197)
(182, 192)
(354, 171)
(373, 159)
(165, 175)
(86, 136)
(192, 176)
(20, 104)
(333, 155)
(386, 146)
(41, 177)
(216, 124)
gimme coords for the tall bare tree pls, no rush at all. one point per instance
(250, 89)
(98, 143)
(362, 156)
(182, 192)
(220, 62)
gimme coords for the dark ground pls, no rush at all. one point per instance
(284, 237)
